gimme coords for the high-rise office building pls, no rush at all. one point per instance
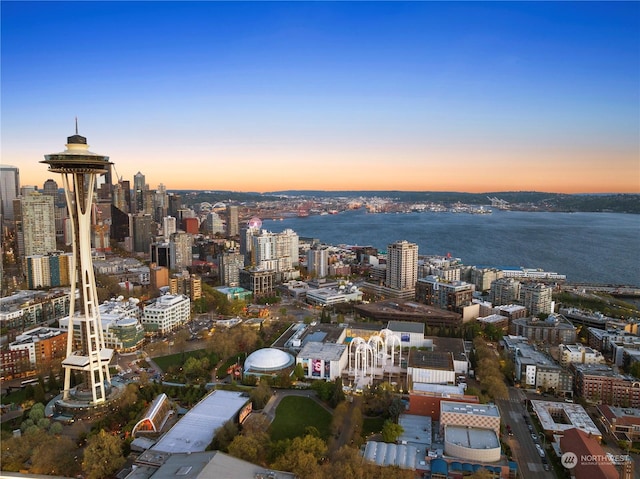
(50, 187)
(9, 190)
(139, 187)
(214, 223)
(143, 233)
(232, 221)
(402, 265)
(35, 224)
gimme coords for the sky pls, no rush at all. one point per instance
(269, 96)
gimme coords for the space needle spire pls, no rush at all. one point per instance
(86, 354)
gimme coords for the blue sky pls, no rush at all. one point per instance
(261, 96)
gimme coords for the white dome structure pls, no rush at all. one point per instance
(267, 360)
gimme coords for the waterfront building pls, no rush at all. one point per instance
(166, 313)
(533, 274)
(482, 278)
(35, 224)
(556, 329)
(50, 270)
(537, 298)
(9, 190)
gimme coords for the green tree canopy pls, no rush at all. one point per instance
(103, 456)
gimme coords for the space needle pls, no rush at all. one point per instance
(86, 354)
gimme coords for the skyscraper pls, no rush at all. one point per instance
(9, 190)
(50, 188)
(88, 355)
(318, 262)
(232, 221)
(402, 265)
(35, 224)
(139, 187)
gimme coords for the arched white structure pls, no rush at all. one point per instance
(354, 343)
(364, 359)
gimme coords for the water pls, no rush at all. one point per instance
(586, 247)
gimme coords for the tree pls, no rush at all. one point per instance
(56, 456)
(391, 431)
(103, 456)
(224, 436)
(261, 394)
(248, 448)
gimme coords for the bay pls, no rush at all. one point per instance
(586, 247)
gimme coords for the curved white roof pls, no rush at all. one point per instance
(268, 359)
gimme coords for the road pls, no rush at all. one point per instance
(523, 446)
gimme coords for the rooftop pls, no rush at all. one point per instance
(471, 437)
(325, 351)
(571, 415)
(195, 431)
(475, 409)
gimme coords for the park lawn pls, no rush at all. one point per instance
(294, 414)
(372, 425)
(178, 359)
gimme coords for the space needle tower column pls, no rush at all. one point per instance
(79, 168)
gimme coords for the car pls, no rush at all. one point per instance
(534, 437)
(546, 466)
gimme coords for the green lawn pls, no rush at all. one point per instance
(372, 425)
(178, 359)
(294, 414)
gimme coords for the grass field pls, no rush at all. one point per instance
(178, 359)
(372, 425)
(294, 414)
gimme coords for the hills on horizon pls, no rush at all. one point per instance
(534, 200)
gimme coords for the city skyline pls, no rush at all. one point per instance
(267, 96)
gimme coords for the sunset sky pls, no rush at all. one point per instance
(267, 96)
